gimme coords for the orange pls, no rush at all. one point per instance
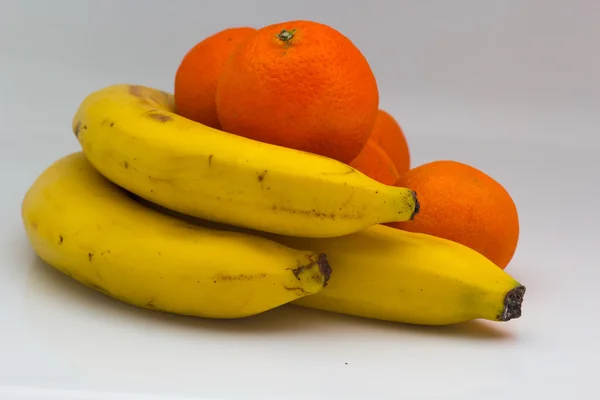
(388, 134)
(463, 204)
(198, 72)
(302, 85)
(376, 164)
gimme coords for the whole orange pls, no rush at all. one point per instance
(463, 204)
(388, 134)
(302, 85)
(198, 72)
(376, 164)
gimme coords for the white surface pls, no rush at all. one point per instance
(510, 87)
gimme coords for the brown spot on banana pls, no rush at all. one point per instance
(158, 116)
(168, 181)
(261, 175)
(315, 213)
(77, 129)
(136, 90)
(240, 277)
(151, 305)
(299, 291)
(107, 122)
(127, 165)
(349, 171)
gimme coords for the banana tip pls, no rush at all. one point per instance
(417, 205)
(325, 268)
(316, 261)
(512, 304)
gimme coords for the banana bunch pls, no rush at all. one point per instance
(168, 214)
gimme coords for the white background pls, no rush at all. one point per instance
(511, 87)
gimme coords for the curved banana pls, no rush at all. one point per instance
(94, 232)
(394, 275)
(133, 137)
(390, 274)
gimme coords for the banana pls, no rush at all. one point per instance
(389, 274)
(132, 136)
(93, 231)
(394, 275)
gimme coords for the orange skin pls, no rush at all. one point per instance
(390, 137)
(463, 204)
(307, 88)
(376, 164)
(198, 73)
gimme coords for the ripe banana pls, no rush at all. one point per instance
(94, 232)
(394, 275)
(132, 136)
(390, 274)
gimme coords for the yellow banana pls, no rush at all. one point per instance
(93, 231)
(390, 274)
(394, 275)
(133, 137)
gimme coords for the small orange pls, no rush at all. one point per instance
(198, 72)
(388, 134)
(376, 164)
(302, 85)
(463, 204)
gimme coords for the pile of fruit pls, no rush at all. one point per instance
(271, 176)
